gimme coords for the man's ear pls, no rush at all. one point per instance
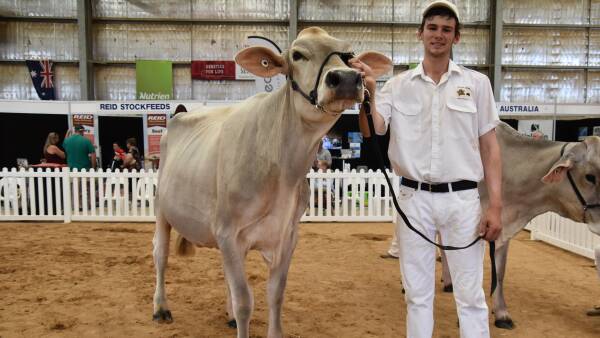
(261, 61)
(379, 63)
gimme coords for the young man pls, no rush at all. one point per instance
(442, 142)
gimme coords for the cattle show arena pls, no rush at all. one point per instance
(97, 280)
(242, 124)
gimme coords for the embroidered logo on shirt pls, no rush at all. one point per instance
(463, 92)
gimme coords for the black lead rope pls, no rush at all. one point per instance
(375, 148)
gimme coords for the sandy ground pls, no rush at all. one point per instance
(97, 280)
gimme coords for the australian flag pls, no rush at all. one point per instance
(42, 77)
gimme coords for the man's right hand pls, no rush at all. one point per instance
(367, 74)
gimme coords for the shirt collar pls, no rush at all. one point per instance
(419, 70)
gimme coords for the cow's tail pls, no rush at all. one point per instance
(183, 247)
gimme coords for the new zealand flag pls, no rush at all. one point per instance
(42, 77)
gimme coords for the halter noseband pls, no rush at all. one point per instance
(585, 205)
(312, 95)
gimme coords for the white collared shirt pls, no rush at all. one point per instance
(435, 128)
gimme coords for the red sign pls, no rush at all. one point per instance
(87, 121)
(213, 70)
(156, 124)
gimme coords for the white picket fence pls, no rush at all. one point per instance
(105, 196)
(66, 195)
(564, 233)
(49, 195)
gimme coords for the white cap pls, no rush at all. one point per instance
(442, 3)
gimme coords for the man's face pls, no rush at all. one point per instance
(438, 35)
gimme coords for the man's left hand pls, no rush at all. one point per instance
(490, 226)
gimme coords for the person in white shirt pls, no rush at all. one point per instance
(442, 120)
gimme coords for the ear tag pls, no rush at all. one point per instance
(264, 63)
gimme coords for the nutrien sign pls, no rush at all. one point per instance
(154, 80)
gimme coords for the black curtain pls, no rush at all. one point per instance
(24, 135)
(119, 129)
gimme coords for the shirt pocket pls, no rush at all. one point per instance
(462, 114)
(408, 125)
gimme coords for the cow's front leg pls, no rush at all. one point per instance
(276, 286)
(242, 302)
(501, 314)
(162, 235)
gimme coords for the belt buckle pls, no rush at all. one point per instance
(430, 187)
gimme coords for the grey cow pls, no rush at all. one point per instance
(534, 181)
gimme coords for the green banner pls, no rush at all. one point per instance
(154, 80)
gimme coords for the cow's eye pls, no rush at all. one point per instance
(298, 56)
(590, 178)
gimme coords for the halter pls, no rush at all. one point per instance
(312, 95)
(585, 205)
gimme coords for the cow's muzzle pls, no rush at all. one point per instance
(312, 95)
(346, 83)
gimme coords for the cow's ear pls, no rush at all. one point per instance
(379, 63)
(261, 61)
(558, 172)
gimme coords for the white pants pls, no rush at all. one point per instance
(456, 216)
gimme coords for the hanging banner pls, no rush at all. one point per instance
(267, 84)
(213, 70)
(156, 125)
(154, 80)
(87, 122)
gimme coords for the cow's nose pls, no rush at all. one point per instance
(336, 77)
(345, 83)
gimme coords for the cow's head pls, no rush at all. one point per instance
(320, 76)
(583, 162)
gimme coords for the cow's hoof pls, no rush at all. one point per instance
(232, 324)
(403, 292)
(448, 288)
(162, 316)
(506, 324)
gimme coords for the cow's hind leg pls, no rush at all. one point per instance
(161, 239)
(242, 302)
(501, 314)
(230, 316)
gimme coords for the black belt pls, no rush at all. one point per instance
(439, 187)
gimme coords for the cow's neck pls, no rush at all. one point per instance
(301, 139)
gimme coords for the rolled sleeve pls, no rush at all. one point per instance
(383, 103)
(486, 107)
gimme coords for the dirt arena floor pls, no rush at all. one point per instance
(97, 280)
